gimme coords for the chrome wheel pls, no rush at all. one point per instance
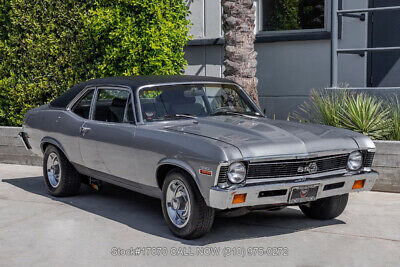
(178, 203)
(53, 169)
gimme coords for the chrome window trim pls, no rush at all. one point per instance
(107, 87)
(93, 104)
(78, 97)
(140, 119)
(94, 99)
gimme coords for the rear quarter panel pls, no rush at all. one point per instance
(56, 125)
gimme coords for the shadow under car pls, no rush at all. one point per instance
(144, 213)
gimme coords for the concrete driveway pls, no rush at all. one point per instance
(119, 227)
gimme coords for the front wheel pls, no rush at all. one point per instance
(325, 208)
(184, 208)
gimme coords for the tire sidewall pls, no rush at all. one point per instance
(326, 208)
(53, 190)
(190, 227)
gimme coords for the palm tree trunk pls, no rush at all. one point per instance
(240, 58)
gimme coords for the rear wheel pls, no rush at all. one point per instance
(60, 176)
(325, 208)
(184, 208)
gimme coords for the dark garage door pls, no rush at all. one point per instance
(384, 31)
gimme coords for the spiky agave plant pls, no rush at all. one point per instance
(323, 108)
(365, 114)
(394, 114)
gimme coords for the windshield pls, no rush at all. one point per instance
(188, 101)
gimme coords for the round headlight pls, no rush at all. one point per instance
(355, 161)
(236, 173)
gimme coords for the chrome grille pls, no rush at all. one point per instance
(368, 158)
(222, 176)
(289, 168)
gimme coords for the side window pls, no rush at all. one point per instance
(110, 105)
(82, 108)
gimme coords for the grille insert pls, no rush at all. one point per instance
(223, 174)
(368, 158)
(291, 167)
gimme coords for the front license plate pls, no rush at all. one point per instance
(306, 193)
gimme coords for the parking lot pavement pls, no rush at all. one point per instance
(97, 228)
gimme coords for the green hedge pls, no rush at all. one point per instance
(47, 46)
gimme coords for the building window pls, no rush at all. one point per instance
(291, 15)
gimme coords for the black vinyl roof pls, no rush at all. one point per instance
(134, 82)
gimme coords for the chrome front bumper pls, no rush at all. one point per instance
(222, 198)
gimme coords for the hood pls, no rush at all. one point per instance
(258, 137)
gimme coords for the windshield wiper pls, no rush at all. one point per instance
(229, 112)
(181, 116)
(185, 116)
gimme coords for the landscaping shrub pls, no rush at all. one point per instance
(323, 108)
(47, 46)
(44, 54)
(365, 114)
(394, 114)
(358, 112)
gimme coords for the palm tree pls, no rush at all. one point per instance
(240, 58)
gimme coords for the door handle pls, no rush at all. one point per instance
(84, 130)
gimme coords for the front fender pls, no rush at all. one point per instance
(181, 164)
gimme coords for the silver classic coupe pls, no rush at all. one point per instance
(198, 143)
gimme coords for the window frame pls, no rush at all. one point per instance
(94, 99)
(140, 120)
(289, 34)
(111, 87)
(79, 98)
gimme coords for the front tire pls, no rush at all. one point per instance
(325, 208)
(60, 176)
(184, 208)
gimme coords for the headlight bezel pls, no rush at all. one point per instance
(241, 173)
(355, 161)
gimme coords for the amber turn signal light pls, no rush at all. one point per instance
(206, 172)
(358, 184)
(239, 198)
